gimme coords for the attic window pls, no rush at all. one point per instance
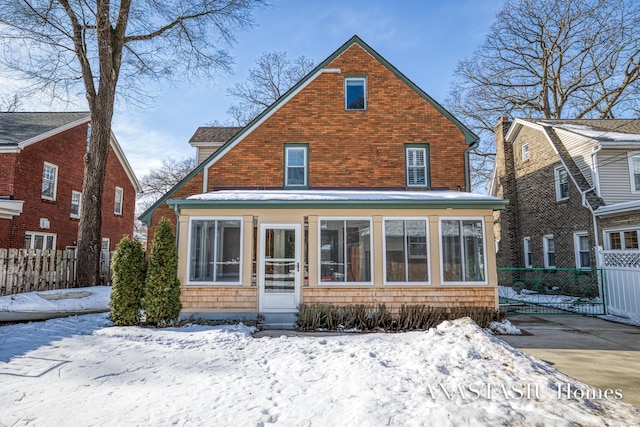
(355, 93)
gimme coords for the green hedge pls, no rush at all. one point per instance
(129, 269)
(312, 317)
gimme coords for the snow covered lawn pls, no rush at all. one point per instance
(80, 371)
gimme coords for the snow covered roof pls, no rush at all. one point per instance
(342, 198)
(602, 135)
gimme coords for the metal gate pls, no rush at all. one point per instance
(622, 279)
(552, 291)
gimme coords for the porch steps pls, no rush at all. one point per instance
(278, 320)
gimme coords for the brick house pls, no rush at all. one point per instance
(348, 189)
(573, 186)
(41, 175)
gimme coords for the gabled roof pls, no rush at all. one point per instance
(470, 137)
(21, 129)
(214, 134)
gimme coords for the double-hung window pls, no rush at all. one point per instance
(405, 250)
(355, 93)
(462, 250)
(622, 239)
(215, 250)
(49, 181)
(562, 183)
(117, 205)
(525, 152)
(296, 166)
(75, 204)
(417, 165)
(549, 247)
(634, 170)
(527, 252)
(582, 249)
(345, 250)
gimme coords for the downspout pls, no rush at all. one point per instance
(596, 181)
(467, 178)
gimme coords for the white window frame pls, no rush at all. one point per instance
(55, 180)
(484, 252)
(241, 261)
(556, 176)
(371, 251)
(630, 156)
(102, 244)
(305, 165)
(44, 236)
(408, 256)
(117, 204)
(620, 231)
(88, 137)
(362, 79)
(545, 247)
(525, 152)
(79, 204)
(576, 244)
(528, 260)
(424, 167)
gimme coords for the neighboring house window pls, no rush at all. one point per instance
(49, 181)
(296, 166)
(35, 240)
(634, 171)
(582, 248)
(527, 252)
(215, 250)
(462, 250)
(525, 152)
(355, 93)
(549, 246)
(106, 245)
(417, 164)
(75, 204)
(345, 250)
(562, 183)
(117, 206)
(622, 239)
(405, 250)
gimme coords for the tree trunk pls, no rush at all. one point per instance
(95, 162)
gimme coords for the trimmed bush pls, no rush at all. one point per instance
(312, 317)
(161, 301)
(129, 268)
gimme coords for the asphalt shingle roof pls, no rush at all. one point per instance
(18, 127)
(215, 133)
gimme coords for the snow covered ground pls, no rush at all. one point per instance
(83, 371)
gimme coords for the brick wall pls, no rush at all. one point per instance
(347, 149)
(66, 150)
(537, 211)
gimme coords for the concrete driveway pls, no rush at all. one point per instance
(603, 354)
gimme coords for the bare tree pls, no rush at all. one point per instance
(550, 59)
(10, 103)
(271, 77)
(65, 45)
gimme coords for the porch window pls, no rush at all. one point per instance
(406, 250)
(549, 246)
(215, 250)
(345, 250)
(622, 239)
(35, 240)
(581, 243)
(463, 258)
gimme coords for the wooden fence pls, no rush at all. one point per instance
(27, 270)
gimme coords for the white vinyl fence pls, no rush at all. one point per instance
(622, 281)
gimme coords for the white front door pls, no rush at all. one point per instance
(279, 267)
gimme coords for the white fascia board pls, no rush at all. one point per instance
(10, 149)
(53, 132)
(125, 164)
(257, 124)
(206, 144)
(515, 128)
(10, 208)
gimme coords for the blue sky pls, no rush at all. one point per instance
(424, 39)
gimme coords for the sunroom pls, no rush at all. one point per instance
(243, 251)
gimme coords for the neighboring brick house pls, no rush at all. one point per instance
(41, 175)
(572, 186)
(330, 196)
